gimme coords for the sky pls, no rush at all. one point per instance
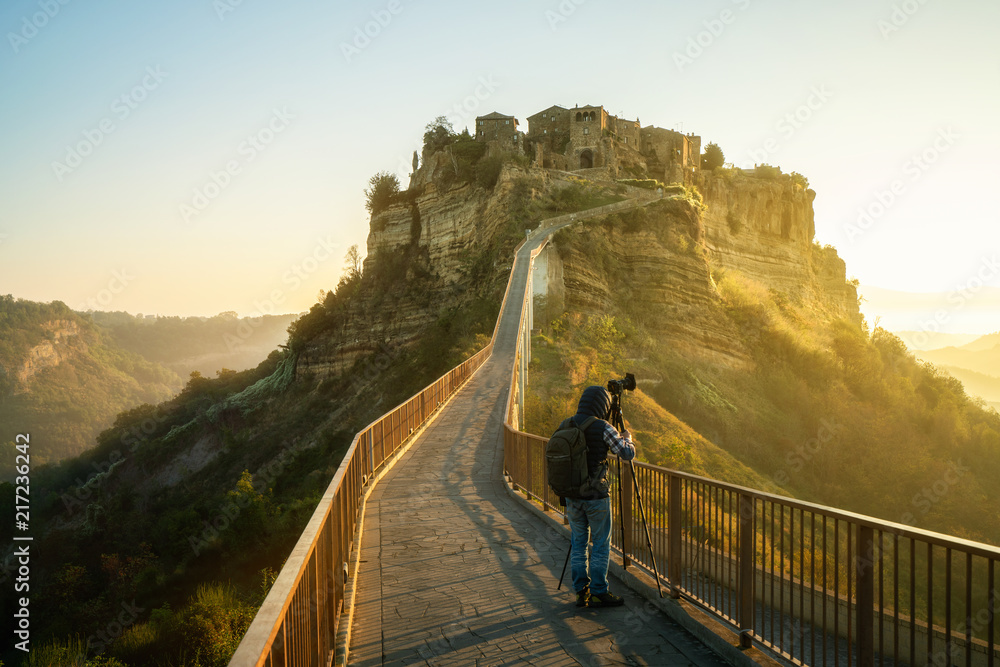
(211, 155)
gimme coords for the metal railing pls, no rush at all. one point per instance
(814, 584)
(298, 621)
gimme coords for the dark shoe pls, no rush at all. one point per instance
(583, 597)
(608, 599)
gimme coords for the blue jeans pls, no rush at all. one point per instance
(589, 520)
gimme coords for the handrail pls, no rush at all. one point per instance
(815, 584)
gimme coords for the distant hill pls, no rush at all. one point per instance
(985, 361)
(203, 344)
(976, 364)
(63, 380)
(986, 387)
(64, 376)
(923, 340)
(983, 343)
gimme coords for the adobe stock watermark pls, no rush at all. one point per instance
(929, 496)
(121, 108)
(988, 270)
(913, 170)
(562, 13)
(246, 152)
(792, 122)
(364, 34)
(131, 438)
(30, 26)
(703, 40)
(294, 277)
(223, 7)
(115, 628)
(976, 625)
(901, 14)
(119, 281)
(231, 509)
(805, 452)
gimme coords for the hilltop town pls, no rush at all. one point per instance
(591, 138)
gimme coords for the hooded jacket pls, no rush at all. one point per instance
(595, 402)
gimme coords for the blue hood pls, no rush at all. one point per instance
(596, 402)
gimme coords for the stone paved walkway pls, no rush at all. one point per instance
(455, 572)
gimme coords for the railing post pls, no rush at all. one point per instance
(674, 535)
(745, 584)
(627, 489)
(864, 564)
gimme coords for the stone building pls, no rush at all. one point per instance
(498, 127)
(550, 127)
(588, 137)
(677, 154)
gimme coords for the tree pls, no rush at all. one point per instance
(438, 134)
(382, 187)
(712, 157)
(352, 263)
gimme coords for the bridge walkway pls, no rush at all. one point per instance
(456, 572)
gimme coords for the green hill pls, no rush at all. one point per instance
(63, 380)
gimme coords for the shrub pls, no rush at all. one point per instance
(767, 172)
(734, 221)
(382, 187)
(488, 172)
(438, 134)
(712, 157)
(647, 183)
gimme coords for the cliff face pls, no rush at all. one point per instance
(764, 229)
(660, 265)
(423, 254)
(656, 272)
(64, 342)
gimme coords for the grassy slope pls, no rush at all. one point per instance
(829, 410)
(559, 371)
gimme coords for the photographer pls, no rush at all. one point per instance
(590, 515)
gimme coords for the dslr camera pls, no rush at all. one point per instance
(616, 386)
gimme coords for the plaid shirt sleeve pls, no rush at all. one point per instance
(620, 445)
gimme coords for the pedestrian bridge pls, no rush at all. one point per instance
(437, 543)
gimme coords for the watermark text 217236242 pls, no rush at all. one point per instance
(22, 517)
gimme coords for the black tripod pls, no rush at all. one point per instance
(618, 421)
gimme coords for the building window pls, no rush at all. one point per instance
(586, 130)
(545, 131)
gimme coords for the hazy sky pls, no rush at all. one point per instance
(198, 156)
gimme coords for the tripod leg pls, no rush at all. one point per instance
(568, 552)
(645, 526)
(621, 514)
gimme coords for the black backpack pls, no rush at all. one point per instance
(566, 458)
